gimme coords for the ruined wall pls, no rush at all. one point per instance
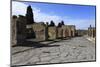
(13, 30)
(40, 31)
(71, 29)
(18, 30)
(30, 32)
(52, 33)
(21, 29)
(66, 31)
(59, 32)
(80, 32)
(92, 31)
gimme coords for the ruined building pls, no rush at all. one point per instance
(92, 31)
(59, 32)
(18, 27)
(13, 30)
(81, 32)
(52, 33)
(40, 31)
(68, 30)
(30, 21)
(25, 28)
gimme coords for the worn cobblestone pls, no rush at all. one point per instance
(73, 50)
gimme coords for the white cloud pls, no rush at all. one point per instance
(20, 8)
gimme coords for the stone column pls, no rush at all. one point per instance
(13, 31)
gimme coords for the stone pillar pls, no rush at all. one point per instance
(52, 33)
(40, 31)
(21, 29)
(59, 32)
(13, 31)
(47, 25)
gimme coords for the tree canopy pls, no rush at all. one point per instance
(29, 15)
(61, 23)
(52, 23)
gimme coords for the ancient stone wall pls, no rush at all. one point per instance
(52, 33)
(71, 29)
(40, 31)
(59, 32)
(30, 32)
(66, 31)
(81, 32)
(13, 30)
(21, 29)
(92, 31)
(18, 26)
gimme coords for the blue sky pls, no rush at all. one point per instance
(81, 16)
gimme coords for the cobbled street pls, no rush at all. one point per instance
(70, 50)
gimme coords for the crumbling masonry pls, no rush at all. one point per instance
(23, 28)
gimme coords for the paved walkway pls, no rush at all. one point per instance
(72, 50)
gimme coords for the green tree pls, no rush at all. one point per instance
(62, 22)
(52, 23)
(29, 15)
(59, 24)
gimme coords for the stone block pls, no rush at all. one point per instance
(52, 33)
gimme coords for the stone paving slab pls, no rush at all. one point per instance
(72, 50)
